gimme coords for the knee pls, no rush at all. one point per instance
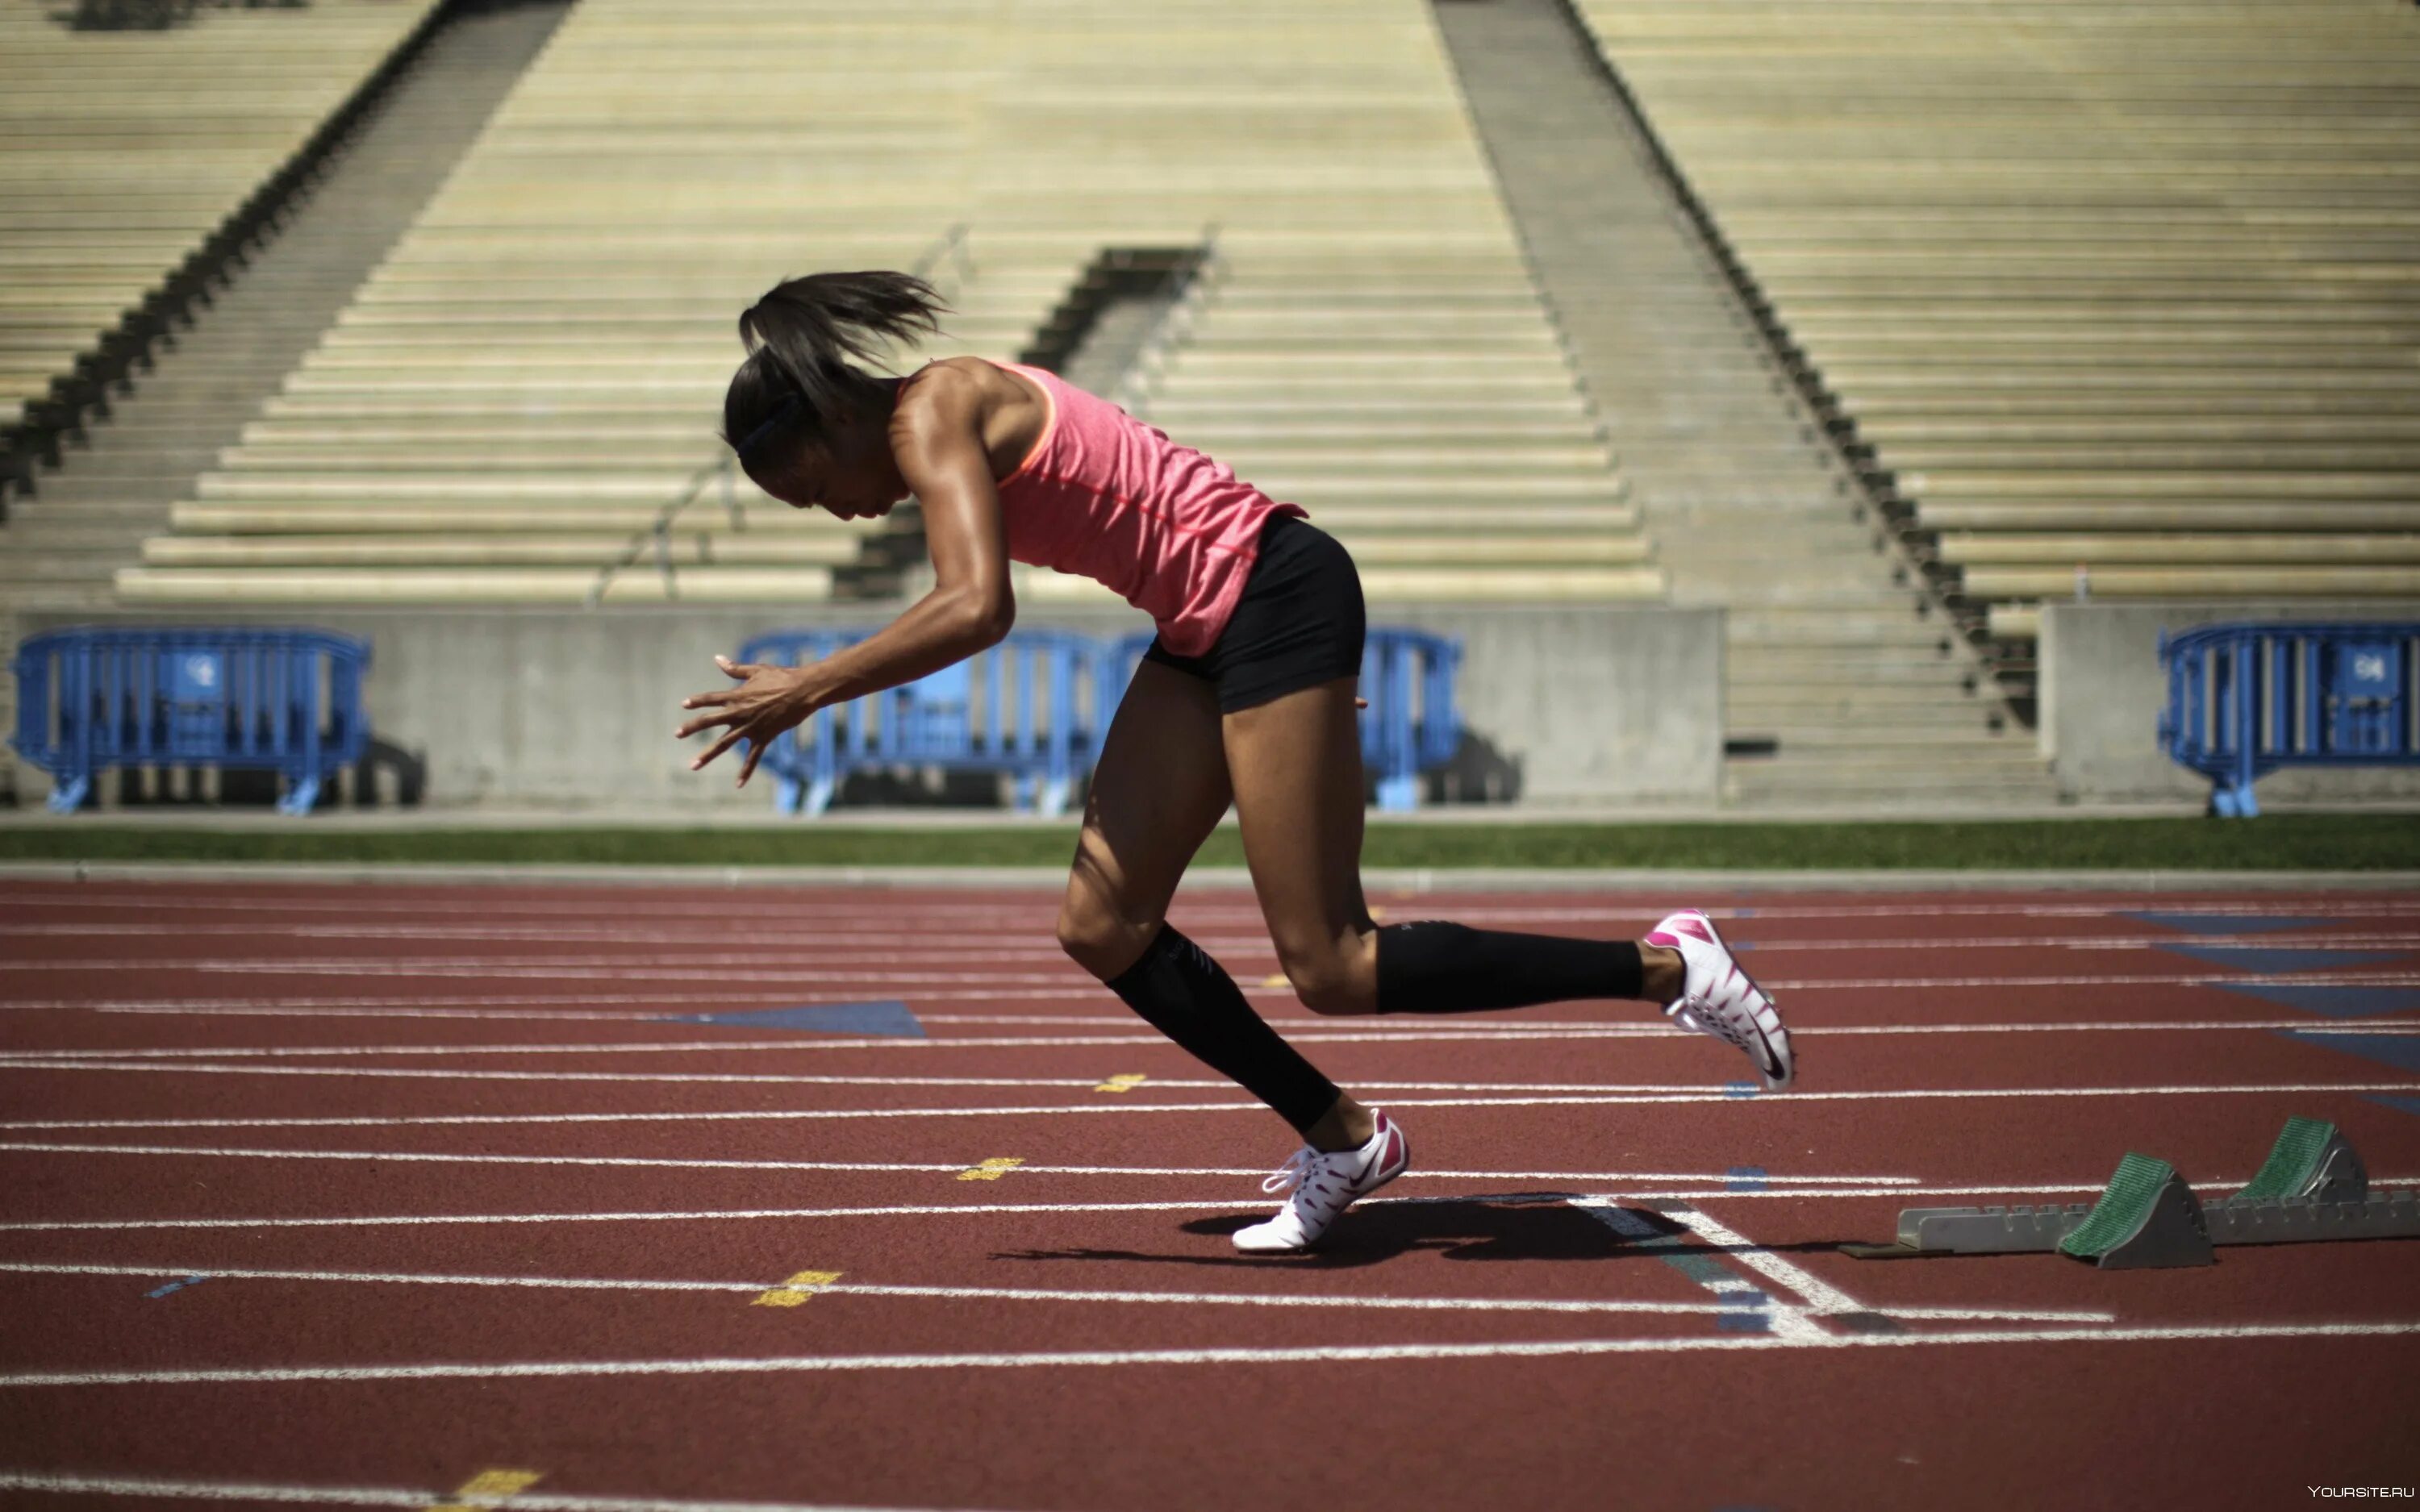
(1331, 983)
(1098, 938)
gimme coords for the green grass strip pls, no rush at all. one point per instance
(2347, 843)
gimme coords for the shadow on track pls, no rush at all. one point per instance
(1536, 1227)
(1518, 1227)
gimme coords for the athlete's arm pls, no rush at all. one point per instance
(936, 439)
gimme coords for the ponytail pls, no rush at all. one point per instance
(803, 339)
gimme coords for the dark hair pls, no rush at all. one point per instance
(798, 379)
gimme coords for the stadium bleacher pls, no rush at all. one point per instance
(539, 365)
(121, 152)
(2122, 295)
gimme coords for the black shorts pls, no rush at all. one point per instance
(1299, 622)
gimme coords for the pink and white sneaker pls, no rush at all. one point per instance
(1324, 1184)
(1720, 999)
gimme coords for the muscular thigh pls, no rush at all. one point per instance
(1296, 767)
(1158, 790)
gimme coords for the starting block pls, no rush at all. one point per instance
(2313, 1186)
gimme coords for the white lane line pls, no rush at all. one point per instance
(1033, 944)
(493, 1158)
(2000, 1188)
(1821, 1297)
(1538, 1030)
(839, 904)
(1783, 1319)
(587, 967)
(469, 1009)
(584, 965)
(1044, 1294)
(1311, 1355)
(535, 1501)
(1311, 1033)
(419, 1220)
(1675, 1094)
(613, 1047)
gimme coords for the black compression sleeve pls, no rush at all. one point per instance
(1433, 967)
(1190, 997)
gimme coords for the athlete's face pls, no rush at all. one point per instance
(849, 473)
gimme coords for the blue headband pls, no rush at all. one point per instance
(789, 410)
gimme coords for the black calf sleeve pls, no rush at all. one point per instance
(1190, 997)
(1433, 967)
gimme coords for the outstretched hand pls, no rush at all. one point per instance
(768, 700)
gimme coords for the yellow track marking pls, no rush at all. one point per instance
(489, 1488)
(796, 1290)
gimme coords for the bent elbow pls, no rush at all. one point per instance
(987, 618)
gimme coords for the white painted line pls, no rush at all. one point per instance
(421, 1220)
(583, 966)
(1821, 1296)
(1784, 1319)
(2193, 978)
(1312, 1355)
(1032, 943)
(869, 1289)
(493, 1158)
(588, 966)
(834, 905)
(953, 1209)
(1143, 1035)
(1674, 1094)
(471, 1008)
(1138, 1035)
(230, 1490)
(1304, 1034)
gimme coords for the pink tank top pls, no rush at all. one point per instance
(1105, 497)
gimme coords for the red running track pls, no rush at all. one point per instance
(350, 1196)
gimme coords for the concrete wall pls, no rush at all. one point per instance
(2101, 693)
(558, 708)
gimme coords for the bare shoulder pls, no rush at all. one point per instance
(956, 396)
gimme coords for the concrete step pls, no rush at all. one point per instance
(1857, 707)
(1888, 779)
(18, 567)
(1883, 742)
(1817, 626)
(1741, 497)
(240, 350)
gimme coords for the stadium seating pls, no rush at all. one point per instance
(2121, 295)
(122, 152)
(539, 365)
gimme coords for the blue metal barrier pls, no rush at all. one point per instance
(2245, 699)
(1031, 707)
(1411, 725)
(97, 696)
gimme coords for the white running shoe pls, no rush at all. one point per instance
(1324, 1184)
(1720, 999)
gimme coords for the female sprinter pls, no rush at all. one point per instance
(1247, 696)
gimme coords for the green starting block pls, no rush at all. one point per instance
(2313, 1186)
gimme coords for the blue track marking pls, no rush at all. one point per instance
(177, 1285)
(2400, 1104)
(2272, 960)
(1739, 1088)
(889, 1017)
(1745, 1179)
(2229, 923)
(1742, 1312)
(2400, 1051)
(2349, 1002)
